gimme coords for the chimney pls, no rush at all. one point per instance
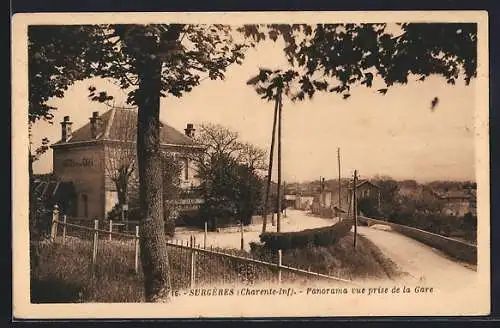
(95, 125)
(66, 129)
(189, 130)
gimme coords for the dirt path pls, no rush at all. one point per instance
(424, 264)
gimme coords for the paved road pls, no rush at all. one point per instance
(424, 264)
(295, 220)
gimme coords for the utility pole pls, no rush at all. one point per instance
(280, 121)
(340, 185)
(355, 207)
(284, 195)
(270, 169)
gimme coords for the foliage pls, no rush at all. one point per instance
(218, 140)
(227, 170)
(424, 211)
(231, 191)
(58, 56)
(335, 57)
(368, 206)
(389, 189)
(300, 239)
(171, 193)
(446, 225)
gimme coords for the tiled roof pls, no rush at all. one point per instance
(121, 124)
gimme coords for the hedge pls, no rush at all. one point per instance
(300, 239)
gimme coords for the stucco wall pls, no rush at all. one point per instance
(83, 164)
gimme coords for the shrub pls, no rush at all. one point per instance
(300, 239)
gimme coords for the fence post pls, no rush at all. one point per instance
(64, 229)
(96, 236)
(241, 230)
(136, 263)
(55, 218)
(110, 229)
(279, 265)
(205, 236)
(193, 262)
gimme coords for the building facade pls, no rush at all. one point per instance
(89, 155)
(326, 202)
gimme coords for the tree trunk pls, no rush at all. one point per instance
(32, 207)
(270, 168)
(122, 189)
(153, 242)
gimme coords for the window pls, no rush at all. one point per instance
(85, 203)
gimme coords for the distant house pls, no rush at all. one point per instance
(367, 189)
(303, 202)
(290, 201)
(329, 197)
(457, 202)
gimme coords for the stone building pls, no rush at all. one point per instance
(88, 155)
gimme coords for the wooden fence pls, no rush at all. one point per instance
(198, 257)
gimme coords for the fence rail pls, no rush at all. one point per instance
(193, 264)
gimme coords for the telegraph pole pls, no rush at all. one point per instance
(355, 207)
(340, 197)
(280, 120)
(284, 195)
(270, 170)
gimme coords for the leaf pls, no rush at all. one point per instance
(254, 80)
(434, 103)
(346, 95)
(382, 91)
(273, 35)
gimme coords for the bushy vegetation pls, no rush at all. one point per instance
(231, 192)
(171, 192)
(421, 209)
(340, 259)
(446, 225)
(300, 239)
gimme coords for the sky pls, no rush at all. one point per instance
(396, 134)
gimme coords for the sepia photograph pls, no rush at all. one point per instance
(258, 164)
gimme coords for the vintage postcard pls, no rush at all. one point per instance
(257, 164)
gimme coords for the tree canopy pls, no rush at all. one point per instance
(336, 57)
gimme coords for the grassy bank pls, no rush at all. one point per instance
(341, 259)
(63, 273)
